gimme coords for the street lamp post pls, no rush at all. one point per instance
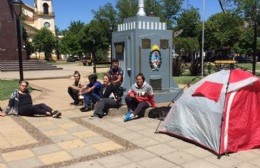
(255, 38)
(111, 29)
(202, 42)
(94, 56)
(18, 4)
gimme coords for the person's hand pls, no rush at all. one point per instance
(132, 95)
(2, 114)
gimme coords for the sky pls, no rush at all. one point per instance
(67, 11)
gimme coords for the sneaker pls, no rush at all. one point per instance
(56, 114)
(85, 109)
(127, 116)
(81, 97)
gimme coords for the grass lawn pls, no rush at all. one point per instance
(7, 87)
(186, 79)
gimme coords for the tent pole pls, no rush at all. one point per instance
(181, 91)
(222, 119)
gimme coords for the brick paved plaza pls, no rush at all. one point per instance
(77, 141)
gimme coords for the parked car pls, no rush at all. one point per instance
(241, 59)
(72, 59)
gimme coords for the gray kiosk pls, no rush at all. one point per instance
(143, 44)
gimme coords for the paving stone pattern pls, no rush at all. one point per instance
(75, 141)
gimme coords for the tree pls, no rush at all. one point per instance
(69, 43)
(108, 18)
(93, 38)
(188, 21)
(170, 10)
(44, 41)
(27, 44)
(222, 30)
(106, 14)
(126, 9)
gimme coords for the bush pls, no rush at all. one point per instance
(195, 67)
(177, 66)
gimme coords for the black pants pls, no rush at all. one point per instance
(30, 110)
(103, 105)
(138, 108)
(74, 94)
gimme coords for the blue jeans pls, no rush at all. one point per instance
(90, 97)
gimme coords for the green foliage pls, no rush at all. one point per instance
(189, 21)
(195, 67)
(187, 44)
(107, 15)
(126, 9)
(170, 11)
(28, 45)
(177, 66)
(69, 44)
(44, 41)
(93, 37)
(7, 87)
(167, 10)
(222, 30)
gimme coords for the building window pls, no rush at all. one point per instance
(47, 24)
(45, 8)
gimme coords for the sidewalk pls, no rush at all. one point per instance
(75, 141)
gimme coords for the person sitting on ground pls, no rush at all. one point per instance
(116, 73)
(90, 92)
(2, 114)
(21, 103)
(73, 90)
(108, 97)
(139, 98)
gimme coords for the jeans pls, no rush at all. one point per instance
(88, 97)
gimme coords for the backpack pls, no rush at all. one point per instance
(159, 112)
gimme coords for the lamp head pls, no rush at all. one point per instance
(16, 2)
(17, 5)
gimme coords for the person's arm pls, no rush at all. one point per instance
(119, 79)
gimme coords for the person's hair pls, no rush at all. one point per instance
(108, 76)
(27, 83)
(115, 60)
(76, 73)
(141, 75)
(92, 77)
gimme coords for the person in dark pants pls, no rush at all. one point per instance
(21, 103)
(2, 114)
(73, 90)
(108, 97)
(139, 98)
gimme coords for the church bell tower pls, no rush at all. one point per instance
(44, 15)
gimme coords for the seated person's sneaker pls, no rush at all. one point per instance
(85, 109)
(81, 97)
(56, 114)
(129, 116)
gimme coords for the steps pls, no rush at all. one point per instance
(28, 65)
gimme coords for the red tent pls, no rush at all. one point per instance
(221, 112)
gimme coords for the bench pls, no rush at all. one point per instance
(222, 64)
